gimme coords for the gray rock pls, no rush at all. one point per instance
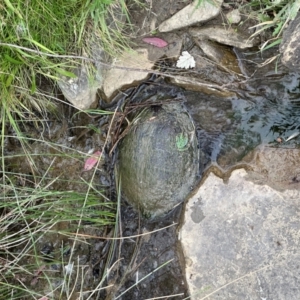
(81, 91)
(206, 78)
(234, 16)
(241, 240)
(290, 47)
(130, 69)
(226, 36)
(159, 160)
(172, 51)
(222, 55)
(192, 14)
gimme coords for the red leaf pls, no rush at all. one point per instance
(91, 161)
(157, 42)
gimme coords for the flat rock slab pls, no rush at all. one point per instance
(241, 240)
(130, 69)
(226, 36)
(193, 13)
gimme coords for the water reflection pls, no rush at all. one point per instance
(228, 129)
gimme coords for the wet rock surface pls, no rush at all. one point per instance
(206, 77)
(277, 167)
(247, 240)
(289, 46)
(222, 55)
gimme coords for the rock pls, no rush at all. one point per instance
(158, 160)
(279, 168)
(131, 68)
(289, 47)
(222, 35)
(196, 85)
(206, 77)
(222, 55)
(192, 14)
(173, 49)
(241, 240)
(234, 17)
(81, 91)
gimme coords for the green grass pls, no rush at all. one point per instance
(45, 196)
(36, 208)
(273, 16)
(35, 34)
(39, 42)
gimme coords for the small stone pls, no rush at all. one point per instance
(234, 17)
(80, 91)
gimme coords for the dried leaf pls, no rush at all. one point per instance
(91, 161)
(186, 61)
(157, 42)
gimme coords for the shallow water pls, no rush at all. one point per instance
(274, 111)
(230, 128)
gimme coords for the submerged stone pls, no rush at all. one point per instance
(159, 160)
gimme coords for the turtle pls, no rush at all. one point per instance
(158, 160)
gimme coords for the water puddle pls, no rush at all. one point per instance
(228, 129)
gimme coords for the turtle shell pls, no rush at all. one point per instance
(158, 159)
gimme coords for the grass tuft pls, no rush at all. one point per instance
(53, 28)
(273, 16)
